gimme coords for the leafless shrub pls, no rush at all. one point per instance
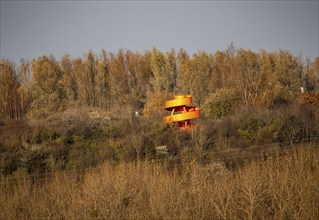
(282, 186)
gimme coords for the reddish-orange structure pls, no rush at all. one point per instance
(181, 111)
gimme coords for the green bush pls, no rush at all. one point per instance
(220, 103)
(249, 126)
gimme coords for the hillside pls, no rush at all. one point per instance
(73, 146)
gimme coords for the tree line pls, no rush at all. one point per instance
(219, 82)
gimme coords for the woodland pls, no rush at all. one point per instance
(81, 136)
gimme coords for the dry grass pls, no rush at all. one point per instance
(282, 187)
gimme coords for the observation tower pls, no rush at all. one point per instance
(182, 111)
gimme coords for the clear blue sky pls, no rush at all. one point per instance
(30, 29)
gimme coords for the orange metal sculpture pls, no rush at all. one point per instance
(184, 112)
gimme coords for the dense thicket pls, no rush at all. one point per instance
(236, 77)
(284, 186)
(80, 110)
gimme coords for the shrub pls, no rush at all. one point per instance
(249, 126)
(220, 103)
(283, 186)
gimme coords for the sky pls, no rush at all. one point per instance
(30, 29)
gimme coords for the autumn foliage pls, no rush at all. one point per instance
(80, 137)
(283, 185)
(131, 79)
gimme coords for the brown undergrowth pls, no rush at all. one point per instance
(280, 186)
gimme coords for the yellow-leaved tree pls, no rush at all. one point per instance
(47, 91)
(10, 92)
